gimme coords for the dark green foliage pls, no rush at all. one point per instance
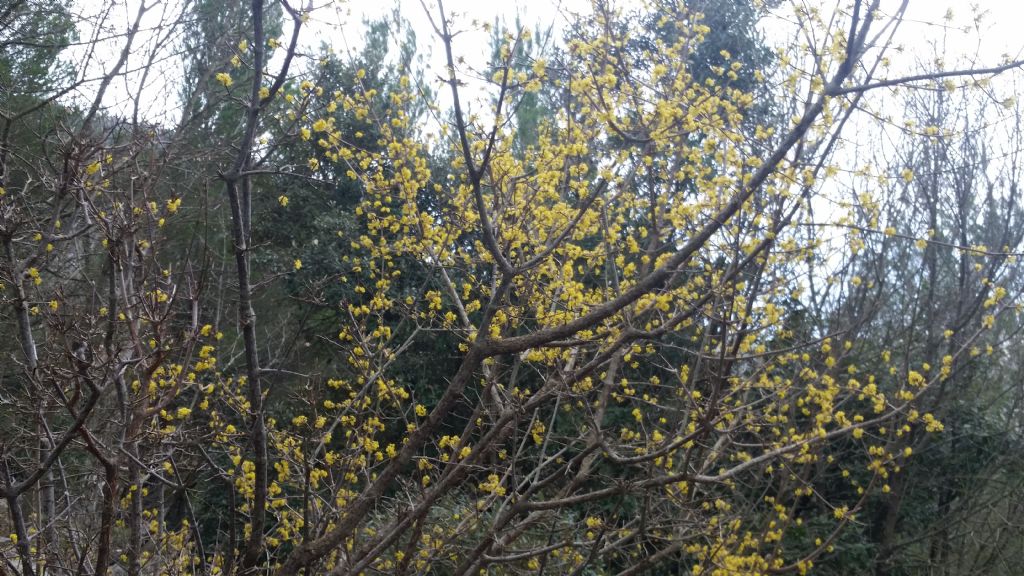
(32, 35)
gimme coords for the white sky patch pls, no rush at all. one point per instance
(983, 30)
(963, 34)
(978, 34)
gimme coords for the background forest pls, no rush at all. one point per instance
(686, 287)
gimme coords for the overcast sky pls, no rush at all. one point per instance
(1000, 27)
(340, 24)
(967, 34)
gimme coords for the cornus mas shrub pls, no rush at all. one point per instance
(561, 327)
